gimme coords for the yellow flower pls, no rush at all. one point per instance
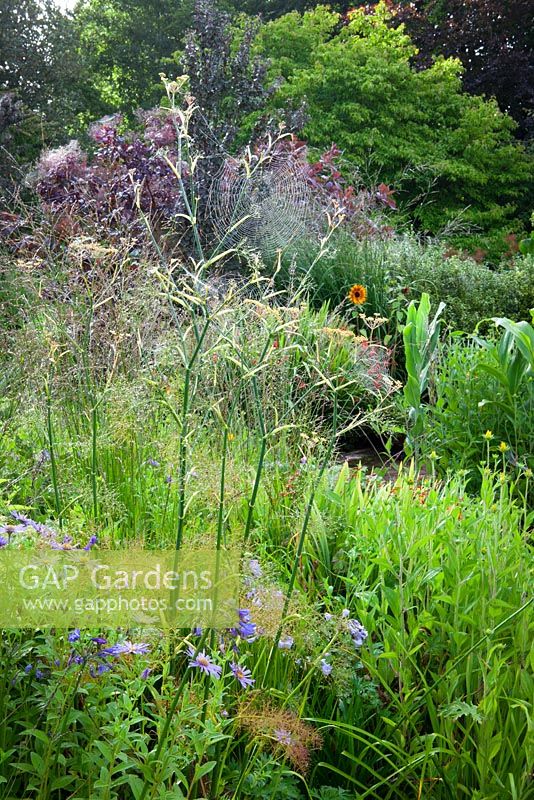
(503, 447)
(357, 294)
(488, 435)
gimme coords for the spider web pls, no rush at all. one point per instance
(262, 201)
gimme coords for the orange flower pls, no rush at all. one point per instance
(357, 294)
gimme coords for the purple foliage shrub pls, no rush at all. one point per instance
(127, 174)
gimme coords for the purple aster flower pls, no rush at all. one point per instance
(345, 613)
(21, 518)
(91, 543)
(3, 541)
(283, 736)
(286, 643)
(357, 631)
(99, 640)
(243, 675)
(326, 668)
(205, 664)
(74, 635)
(26, 522)
(328, 617)
(197, 630)
(11, 529)
(145, 673)
(127, 648)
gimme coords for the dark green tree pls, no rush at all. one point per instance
(127, 43)
(42, 76)
(40, 59)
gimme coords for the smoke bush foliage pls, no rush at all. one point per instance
(128, 172)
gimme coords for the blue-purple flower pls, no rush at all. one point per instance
(10, 529)
(100, 670)
(91, 543)
(357, 631)
(74, 635)
(127, 648)
(247, 628)
(255, 568)
(326, 668)
(243, 675)
(204, 663)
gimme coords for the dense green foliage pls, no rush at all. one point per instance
(399, 269)
(482, 409)
(438, 691)
(452, 153)
(127, 44)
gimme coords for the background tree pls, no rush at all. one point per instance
(271, 9)
(410, 125)
(494, 40)
(228, 81)
(43, 75)
(40, 62)
(127, 44)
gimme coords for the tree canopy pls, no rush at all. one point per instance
(411, 126)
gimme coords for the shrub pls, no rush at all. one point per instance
(471, 291)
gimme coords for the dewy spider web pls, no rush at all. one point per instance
(263, 200)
